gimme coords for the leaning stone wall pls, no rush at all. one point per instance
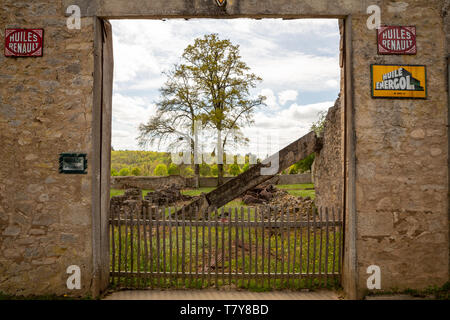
(45, 109)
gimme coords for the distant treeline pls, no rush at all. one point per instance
(151, 163)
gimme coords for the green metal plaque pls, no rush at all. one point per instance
(73, 163)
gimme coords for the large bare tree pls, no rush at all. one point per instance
(177, 110)
(224, 83)
(211, 85)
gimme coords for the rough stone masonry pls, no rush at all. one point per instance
(396, 169)
(45, 109)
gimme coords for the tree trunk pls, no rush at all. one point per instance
(197, 175)
(194, 157)
(220, 174)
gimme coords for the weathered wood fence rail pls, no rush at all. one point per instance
(243, 247)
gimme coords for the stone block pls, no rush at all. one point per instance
(44, 219)
(11, 231)
(37, 232)
(375, 224)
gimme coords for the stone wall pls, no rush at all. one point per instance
(401, 158)
(328, 164)
(152, 183)
(45, 109)
(446, 15)
(149, 183)
(301, 178)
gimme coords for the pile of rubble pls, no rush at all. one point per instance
(133, 194)
(303, 205)
(287, 200)
(261, 194)
(167, 196)
(270, 196)
(130, 203)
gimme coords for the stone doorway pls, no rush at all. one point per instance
(339, 185)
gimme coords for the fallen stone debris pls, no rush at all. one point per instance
(167, 196)
(261, 194)
(269, 197)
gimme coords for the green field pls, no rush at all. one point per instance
(299, 190)
(296, 251)
(231, 261)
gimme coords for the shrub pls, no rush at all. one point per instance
(124, 172)
(234, 169)
(293, 169)
(305, 164)
(188, 172)
(173, 169)
(214, 170)
(136, 171)
(114, 173)
(205, 170)
(160, 170)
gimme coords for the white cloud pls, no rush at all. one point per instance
(292, 56)
(120, 134)
(271, 99)
(128, 113)
(287, 95)
(145, 48)
(284, 127)
(285, 69)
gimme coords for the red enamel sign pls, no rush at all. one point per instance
(397, 40)
(24, 42)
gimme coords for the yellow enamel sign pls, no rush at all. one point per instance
(399, 81)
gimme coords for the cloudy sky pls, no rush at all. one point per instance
(298, 61)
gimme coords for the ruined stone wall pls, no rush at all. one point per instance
(328, 164)
(45, 109)
(401, 158)
(149, 183)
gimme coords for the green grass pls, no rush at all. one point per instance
(196, 192)
(119, 192)
(157, 261)
(303, 193)
(299, 190)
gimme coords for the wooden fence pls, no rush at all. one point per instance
(260, 248)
